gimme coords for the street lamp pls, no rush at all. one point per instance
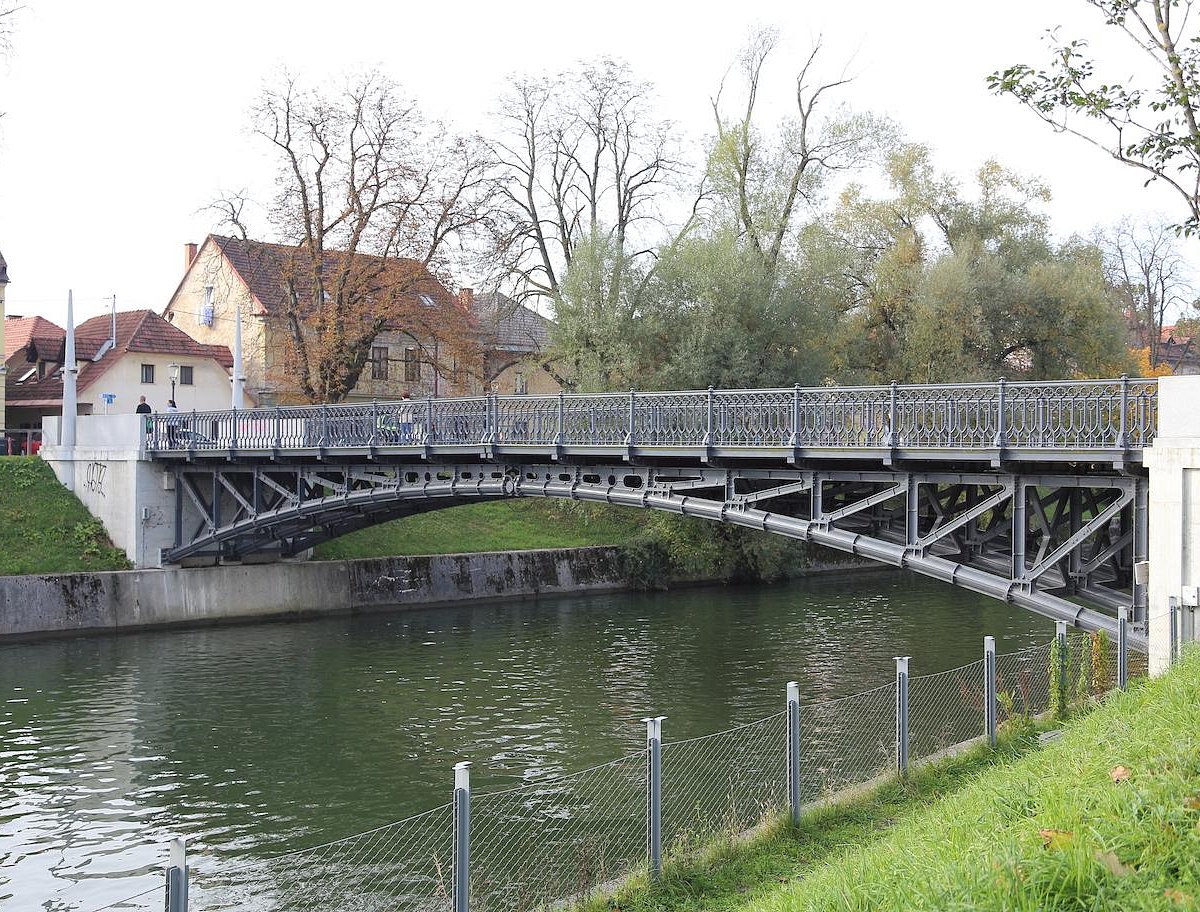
(173, 373)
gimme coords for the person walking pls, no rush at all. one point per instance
(143, 408)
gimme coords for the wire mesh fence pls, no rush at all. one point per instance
(536, 844)
(559, 840)
(723, 783)
(945, 708)
(404, 865)
(846, 741)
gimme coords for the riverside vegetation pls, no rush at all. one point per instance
(43, 526)
(1107, 817)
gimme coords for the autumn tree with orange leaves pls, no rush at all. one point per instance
(373, 201)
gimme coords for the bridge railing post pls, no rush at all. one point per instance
(374, 422)
(176, 899)
(428, 436)
(560, 436)
(278, 429)
(989, 689)
(629, 438)
(462, 837)
(794, 442)
(793, 750)
(1001, 414)
(324, 426)
(654, 794)
(902, 715)
(1123, 426)
(891, 436)
(708, 423)
(1123, 648)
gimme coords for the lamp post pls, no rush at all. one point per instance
(173, 373)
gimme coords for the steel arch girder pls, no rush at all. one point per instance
(293, 522)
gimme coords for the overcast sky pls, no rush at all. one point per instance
(123, 119)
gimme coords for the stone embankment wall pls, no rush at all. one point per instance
(149, 598)
(96, 602)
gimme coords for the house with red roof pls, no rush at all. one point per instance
(120, 358)
(270, 282)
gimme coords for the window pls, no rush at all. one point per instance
(186, 377)
(426, 300)
(412, 367)
(147, 373)
(205, 316)
(379, 362)
(520, 385)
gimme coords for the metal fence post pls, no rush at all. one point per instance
(462, 836)
(177, 877)
(902, 714)
(989, 688)
(654, 794)
(1173, 619)
(1123, 648)
(1064, 686)
(793, 750)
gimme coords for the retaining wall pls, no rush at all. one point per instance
(148, 598)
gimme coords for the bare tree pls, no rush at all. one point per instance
(580, 158)
(1144, 266)
(8, 18)
(765, 180)
(371, 199)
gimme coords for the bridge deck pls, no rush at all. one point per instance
(1093, 421)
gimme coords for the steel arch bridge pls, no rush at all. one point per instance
(1031, 493)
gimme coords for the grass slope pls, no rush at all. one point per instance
(44, 528)
(1106, 818)
(506, 525)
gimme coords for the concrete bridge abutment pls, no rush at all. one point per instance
(1174, 464)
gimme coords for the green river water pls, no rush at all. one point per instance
(252, 740)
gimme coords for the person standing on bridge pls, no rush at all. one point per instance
(143, 408)
(405, 417)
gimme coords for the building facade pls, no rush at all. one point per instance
(223, 275)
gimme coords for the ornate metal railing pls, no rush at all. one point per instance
(1070, 415)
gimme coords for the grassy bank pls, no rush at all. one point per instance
(1106, 818)
(44, 528)
(504, 525)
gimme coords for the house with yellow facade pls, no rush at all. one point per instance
(501, 349)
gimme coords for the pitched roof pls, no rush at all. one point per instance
(19, 332)
(265, 268)
(138, 331)
(3, 270)
(509, 325)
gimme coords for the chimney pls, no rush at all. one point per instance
(466, 297)
(189, 255)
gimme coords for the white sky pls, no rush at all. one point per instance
(125, 118)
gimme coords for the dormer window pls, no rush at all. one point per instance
(426, 300)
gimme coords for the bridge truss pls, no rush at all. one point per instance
(1034, 497)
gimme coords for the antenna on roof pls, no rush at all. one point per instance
(111, 342)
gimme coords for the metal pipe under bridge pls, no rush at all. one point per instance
(1031, 493)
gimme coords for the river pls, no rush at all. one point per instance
(254, 739)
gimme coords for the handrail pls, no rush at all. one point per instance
(1117, 415)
